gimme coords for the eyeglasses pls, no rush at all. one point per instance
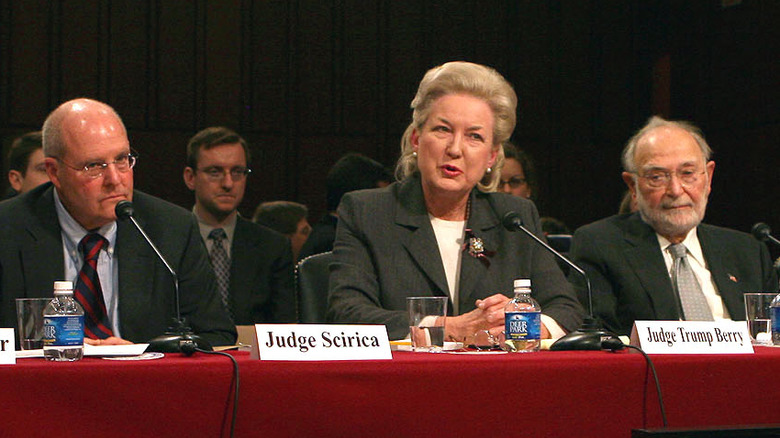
(40, 168)
(97, 169)
(217, 173)
(661, 178)
(514, 182)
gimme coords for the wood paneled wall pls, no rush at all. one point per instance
(726, 78)
(306, 81)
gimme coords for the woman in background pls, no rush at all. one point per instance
(518, 176)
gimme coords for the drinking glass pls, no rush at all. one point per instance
(426, 322)
(757, 312)
(29, 316)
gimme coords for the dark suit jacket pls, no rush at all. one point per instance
(31, 259)
(386, 250)
(261, 276)
(630, 281)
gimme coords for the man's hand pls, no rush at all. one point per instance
(113, 340)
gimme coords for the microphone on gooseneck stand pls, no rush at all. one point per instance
(590, 335)
(763, 233)
(179, 338)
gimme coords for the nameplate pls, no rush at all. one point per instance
(692, 337)
(320, 342)
(7, 346)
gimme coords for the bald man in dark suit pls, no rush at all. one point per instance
(90, 164)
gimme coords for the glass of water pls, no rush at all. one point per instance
(758, 316)
(29, 315)
(426, 322)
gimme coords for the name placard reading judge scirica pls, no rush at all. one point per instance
(692, 337)
(320, 342)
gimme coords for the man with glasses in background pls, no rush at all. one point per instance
(662, 263)
(67, 230)
(253, 264)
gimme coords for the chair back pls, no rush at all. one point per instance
(562, 244)
(311, 284)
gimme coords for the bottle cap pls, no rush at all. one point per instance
(522, 282)
(63, 287)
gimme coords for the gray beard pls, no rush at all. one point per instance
(671, 224)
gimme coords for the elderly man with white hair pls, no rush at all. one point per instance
(662, 262)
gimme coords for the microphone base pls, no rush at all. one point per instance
(587, 337)
(179, 339)
(178, 343)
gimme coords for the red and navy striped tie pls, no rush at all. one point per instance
(88, 292)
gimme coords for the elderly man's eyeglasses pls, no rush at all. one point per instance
(514, 182)
(661, 178)
(97, 169)
(217, 173)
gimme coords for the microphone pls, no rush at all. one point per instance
(590, 335)
(179, 338)
(762, 232)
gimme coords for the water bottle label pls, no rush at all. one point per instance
(63, 330)
(522, 326)
(776, 319)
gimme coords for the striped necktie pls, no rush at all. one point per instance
(88, 291)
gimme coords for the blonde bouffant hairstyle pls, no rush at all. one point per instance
(467, 78)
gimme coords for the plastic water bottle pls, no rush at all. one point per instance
(522, 320)
(775, 312)
(63, 325)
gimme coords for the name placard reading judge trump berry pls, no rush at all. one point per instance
(320, 342)
(692, 337)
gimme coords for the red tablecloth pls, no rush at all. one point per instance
(566, 394)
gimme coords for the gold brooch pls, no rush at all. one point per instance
(476, 248)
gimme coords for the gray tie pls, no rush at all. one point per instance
(694, 304)
(221, 264)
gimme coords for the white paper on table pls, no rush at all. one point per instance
(94, 351)
(406, 345)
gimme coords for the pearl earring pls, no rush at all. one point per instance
(489, 169)
(414, 154)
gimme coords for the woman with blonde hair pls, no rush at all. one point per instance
(437, 231)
